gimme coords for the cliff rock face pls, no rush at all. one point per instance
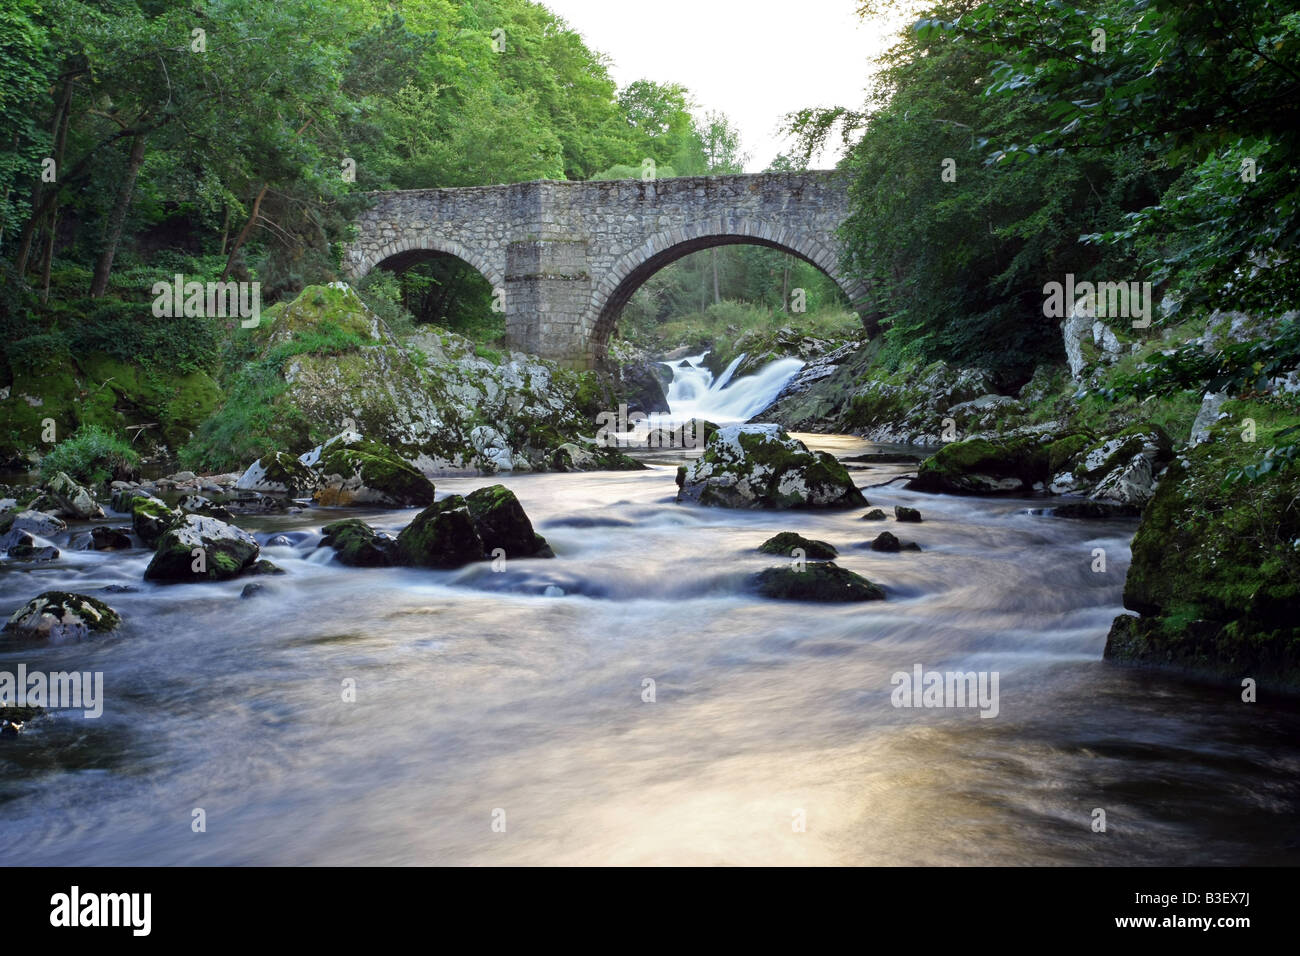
(325, 364)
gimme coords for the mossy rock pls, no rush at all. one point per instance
(570, 457)
(819, 581)
(501, 522)
(760, 466)
(358, 545)
(202, 549)
(279, 473)
(57, 615)
(978, 466)
(1213, 569)
(151, 519)
(783, 544)
(367, 472)
(441, 536)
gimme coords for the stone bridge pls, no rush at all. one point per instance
(565, 257)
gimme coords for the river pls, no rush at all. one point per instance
(486, 697)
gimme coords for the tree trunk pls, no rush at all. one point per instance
(717, 297)
(49, 257)
(243, 233)
(785, 286)
(117, 219)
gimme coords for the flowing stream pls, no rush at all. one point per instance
(694, 393)
(520, 695)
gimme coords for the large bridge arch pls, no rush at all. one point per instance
(567, 255)
(631, 271)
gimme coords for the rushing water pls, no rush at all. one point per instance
(695, 394)
(478, 692)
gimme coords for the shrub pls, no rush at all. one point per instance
(93, 455)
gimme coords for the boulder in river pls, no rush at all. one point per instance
(60, 615)
(279, 473)
(25, 547)
(875, 514)
(979, 466)
(571, 456)
(760, 466)
(643, 388)
(360, 471)
(902, 513)
(501, 522)
(151, 519)
(441, 536)
(71, 500)
(358, 545)
(195, 504)
(199, 548)
(36, 523)
(785, 543)
(886, 542)
(819, 581)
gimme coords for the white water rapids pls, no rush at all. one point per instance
(694, 393)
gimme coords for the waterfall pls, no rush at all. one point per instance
(694, 393)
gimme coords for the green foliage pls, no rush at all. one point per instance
(93, 455)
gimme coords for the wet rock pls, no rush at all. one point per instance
(62, 615)
(760, 466)
(573, 457)
(279, 541)
(907, 514)
(199, 505)
(202, 549)
(279, 473)
(819, 581)
(264, 567)
(358, 545)
(501, 522)
(1093, 510)
(786, 542)
(643, 389)
(364, 472)
(109, 539)
(441, 536)
(151, 519)
(875, 514)
(252, 589)
(979, 466)
(885, 542)
(72, 500)
(36, 523)
(25, 547)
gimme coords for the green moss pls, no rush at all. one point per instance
(441, 536)
(784, 544)
(1215, 569)
(380, 470)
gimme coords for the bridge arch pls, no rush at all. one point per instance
(404, 252)
(628, 274)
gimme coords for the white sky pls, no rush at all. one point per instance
(754, 60)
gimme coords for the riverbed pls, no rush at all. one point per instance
(505, 716)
